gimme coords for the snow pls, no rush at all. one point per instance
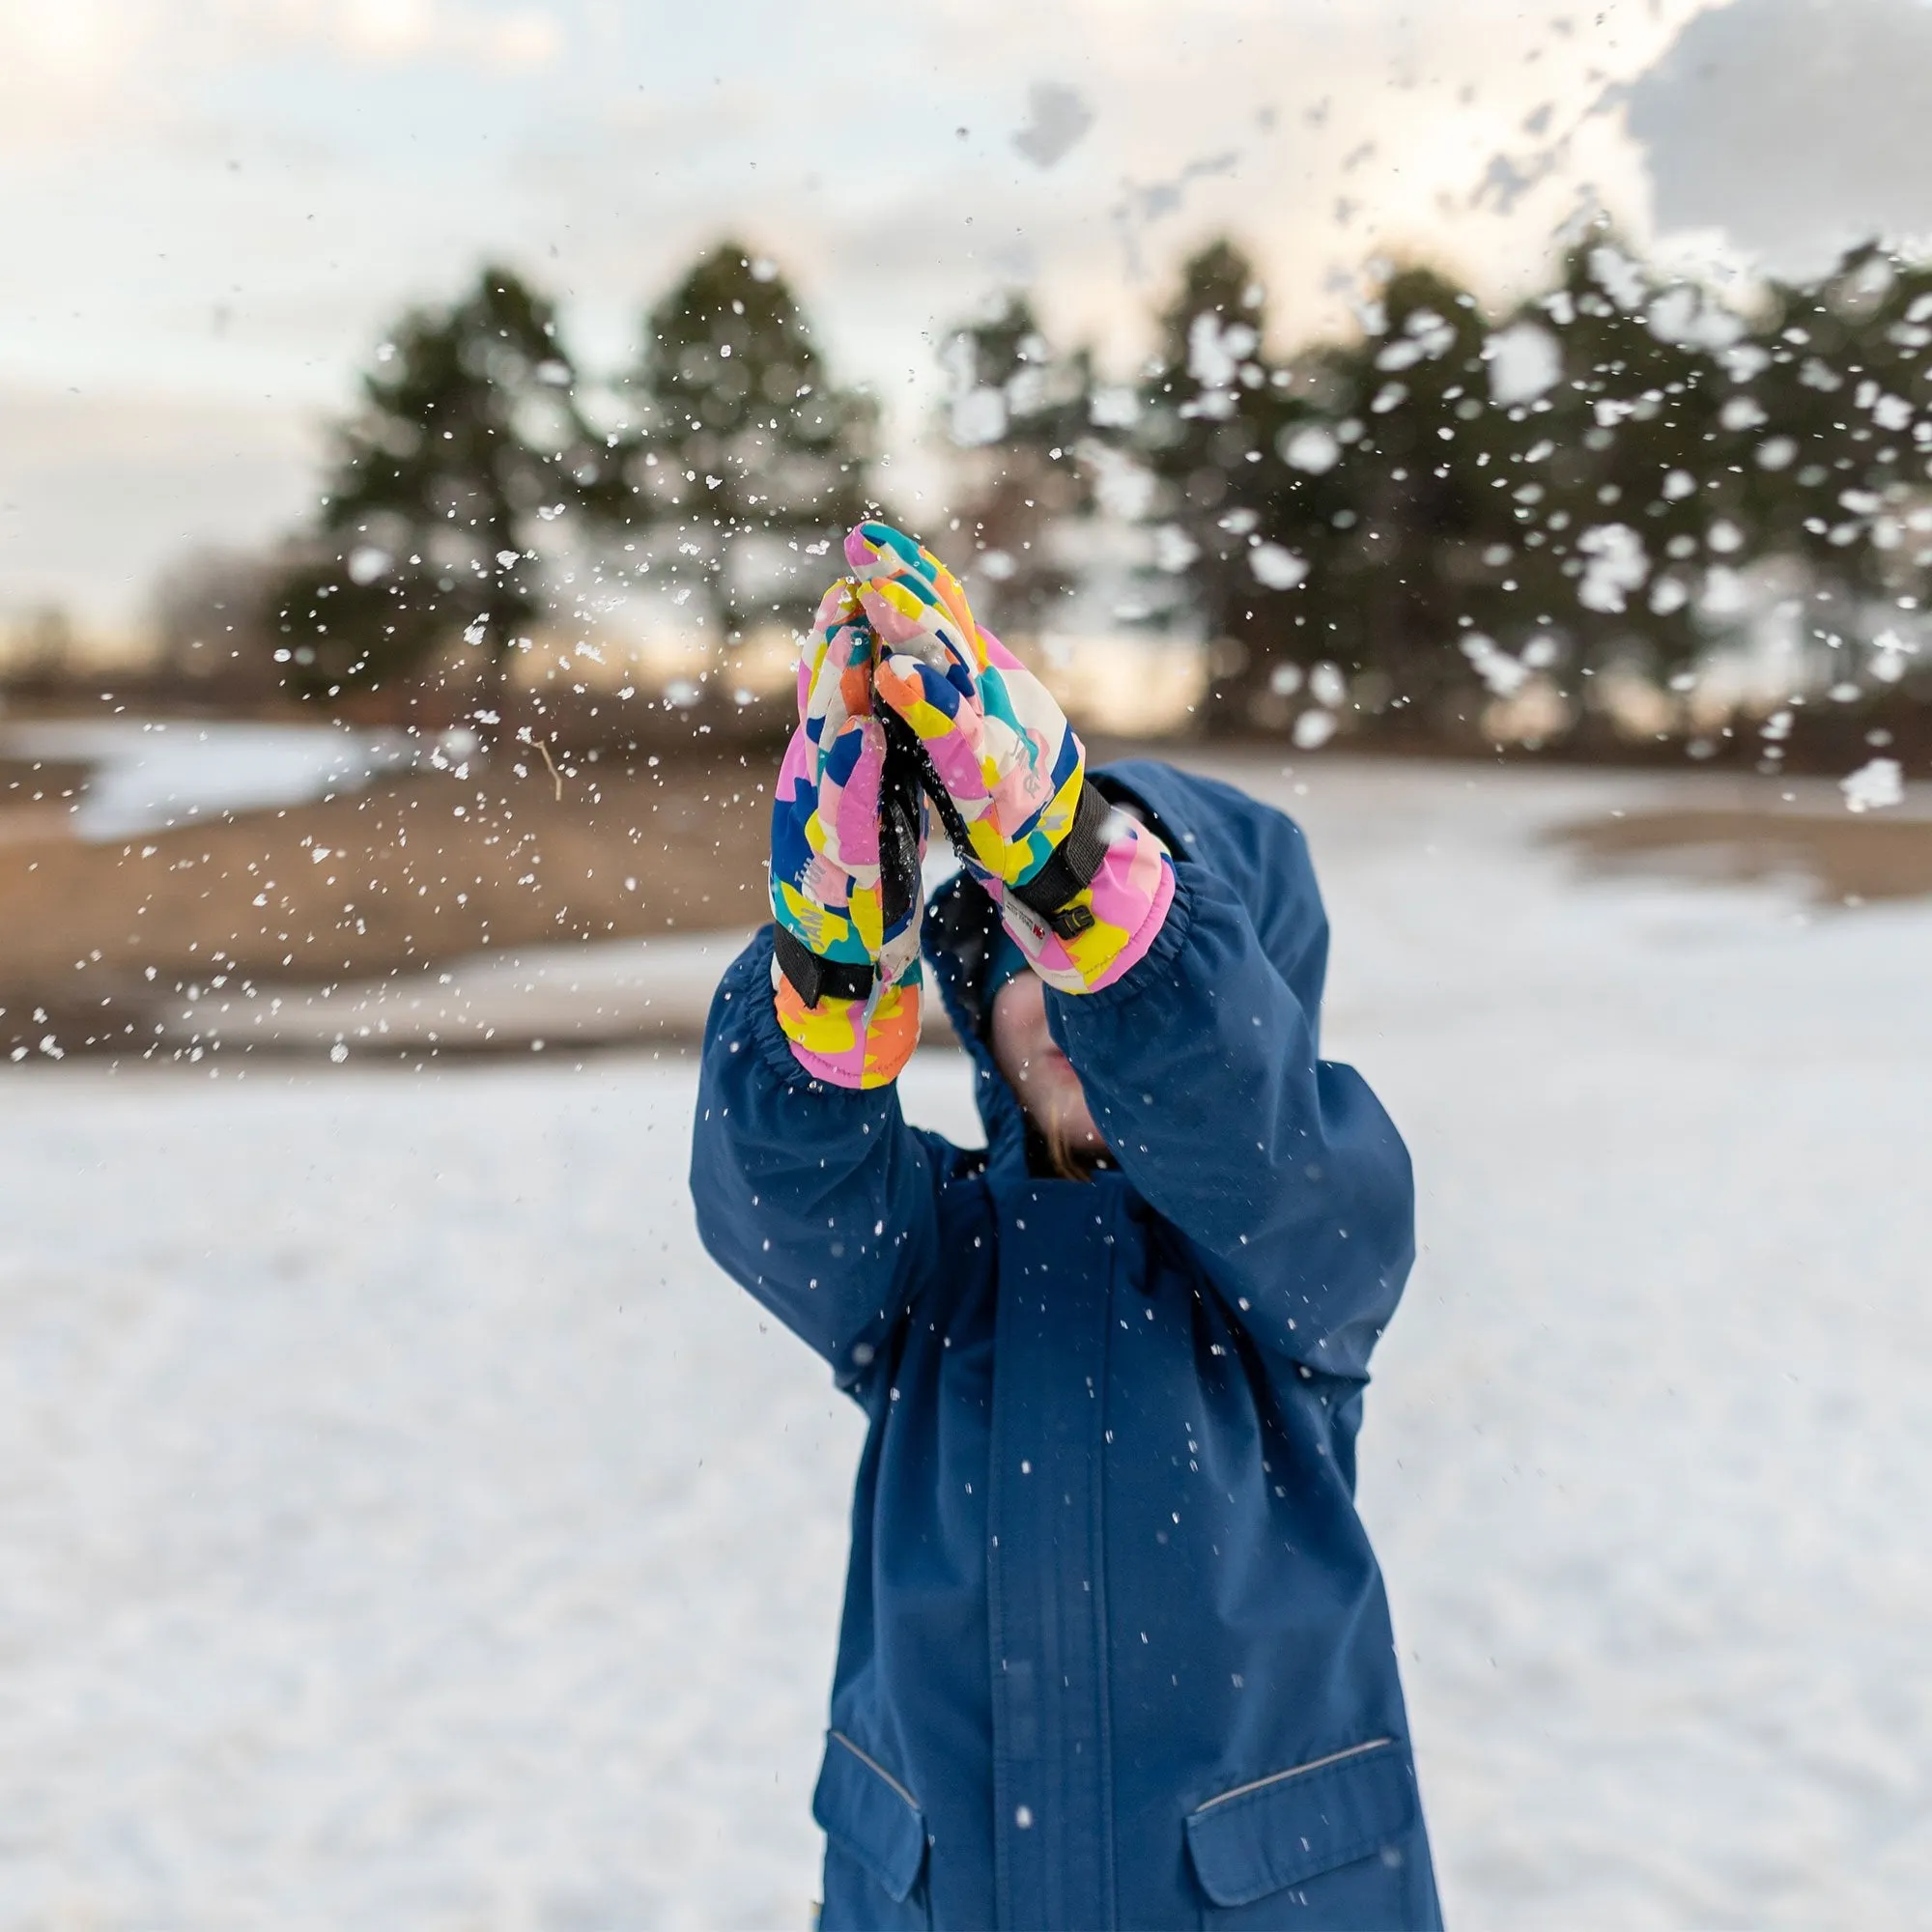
(1524, 362)
(1644, 1460)
(150, 773)
(1874, 785)
(1310, 448)
(405, 1524)
(608, 990)
(1276, 566)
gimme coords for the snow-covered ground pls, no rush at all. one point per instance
(402, 1524)
(563, 995)
(150, 773)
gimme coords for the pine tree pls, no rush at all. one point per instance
(463, 471)
(1833, 451)
(1622, 474)
(1018, 422)
(746, 464)
(1399, 528)
(1212, 412)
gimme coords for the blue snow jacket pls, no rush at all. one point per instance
(1115, 1649)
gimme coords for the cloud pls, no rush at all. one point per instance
(99, 493)
(1795, 127)
(391, 31)
(82, 74)
(230, 198)
(387, 29)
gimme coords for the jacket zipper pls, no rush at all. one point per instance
(1282, 1777)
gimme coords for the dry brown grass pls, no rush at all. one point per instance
(387, 880)
(1845, 857)
(34, 794)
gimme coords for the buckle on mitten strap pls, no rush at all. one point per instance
(1070, 868)
(811, 977)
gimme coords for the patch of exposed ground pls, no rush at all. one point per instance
(382, 882)
(1846, 857)
(36, 796)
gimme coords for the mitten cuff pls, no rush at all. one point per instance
(853, 1043)
(1106, 928)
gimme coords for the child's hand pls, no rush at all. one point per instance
(846, 868)
(1082, 889)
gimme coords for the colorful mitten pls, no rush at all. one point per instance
(847, 838)
(1082, 889)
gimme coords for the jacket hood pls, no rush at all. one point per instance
(1247, 843)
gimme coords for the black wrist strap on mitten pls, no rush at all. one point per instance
(1071, 867)
(812, 978)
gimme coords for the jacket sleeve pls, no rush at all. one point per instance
(1288, 1181)
(819, 1199)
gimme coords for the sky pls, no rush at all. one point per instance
(214, 208)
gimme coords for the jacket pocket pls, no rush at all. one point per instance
(1263, 1837)
(869, 1817)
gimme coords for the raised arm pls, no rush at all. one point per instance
(1203, 1071)
(809, 1187)
(1189, 1011)
(818, 1199)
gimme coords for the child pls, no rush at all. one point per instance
(1116, 1651)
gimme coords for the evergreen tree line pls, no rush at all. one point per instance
(1447, 524)
(486, 483)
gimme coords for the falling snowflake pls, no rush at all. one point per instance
(1113, 408)
(1310, 448)
(1617, 565)
(1174, 550)
(1214, 354)
(1502, 673)
(1278, 568)
(1524, 362)
(1873, 786)
(1890, 651)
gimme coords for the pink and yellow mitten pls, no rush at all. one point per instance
(846, 845)
(1082, 889)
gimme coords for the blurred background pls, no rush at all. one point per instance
(1500, 436)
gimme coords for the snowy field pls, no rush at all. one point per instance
(404, 1526)
(149, 773)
